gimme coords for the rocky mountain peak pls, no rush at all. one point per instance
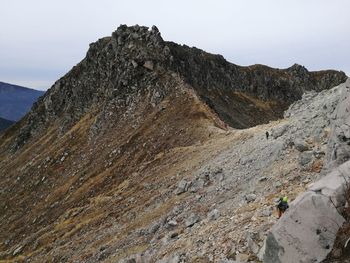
(135, 62)
(136, 43)
(298, 69)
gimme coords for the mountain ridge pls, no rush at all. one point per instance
(128, 153)
(132, 53)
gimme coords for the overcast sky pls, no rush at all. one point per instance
(40, 40)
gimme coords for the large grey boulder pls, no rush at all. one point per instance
(339, 141)
(306, 232)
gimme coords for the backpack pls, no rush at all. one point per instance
(283, 206)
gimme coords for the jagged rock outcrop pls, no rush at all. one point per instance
(134, 62)
(306, 233)
(232, 90)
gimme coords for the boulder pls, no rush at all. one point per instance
(279, 131)
(148, 65)
(197, 185)
(191, 220)
(306, 158)
(250, 197)
(214, 214)
(301, 146)
(17, 250)
(306, 232)
(182, 187)
(333, 184)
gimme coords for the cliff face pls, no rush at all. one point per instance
(247, 96)
(132, 148)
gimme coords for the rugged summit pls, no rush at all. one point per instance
(135, 154)
(135, 61)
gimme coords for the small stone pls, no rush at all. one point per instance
(306, 181)
(264, 178)
(266, 212)
(191, 220)
(198, 184)
(214, 214)
(319, 153)
(182, 187)
(250, 198)
(17, 251)
(242, 257)
(148, 65)
(277, 184)
(154, 228)
(173, 234)
(279, 131)
(305, 158)
(172, 223)
(301, 146)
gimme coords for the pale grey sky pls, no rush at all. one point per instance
(40, 40)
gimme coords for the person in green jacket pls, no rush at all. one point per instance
(282, 206)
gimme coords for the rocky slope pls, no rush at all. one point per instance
(309, 229)
(135, 155)
(16, 101)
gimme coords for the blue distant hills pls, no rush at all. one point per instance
(16, 101)
(4, 124)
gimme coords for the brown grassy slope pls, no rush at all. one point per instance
(57, 188)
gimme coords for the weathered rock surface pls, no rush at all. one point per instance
(339, 143)
(306, 233)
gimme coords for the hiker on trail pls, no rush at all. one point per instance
(282, 206)
(267, 135)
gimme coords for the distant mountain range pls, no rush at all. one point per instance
(16, 101)
(4, 124)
